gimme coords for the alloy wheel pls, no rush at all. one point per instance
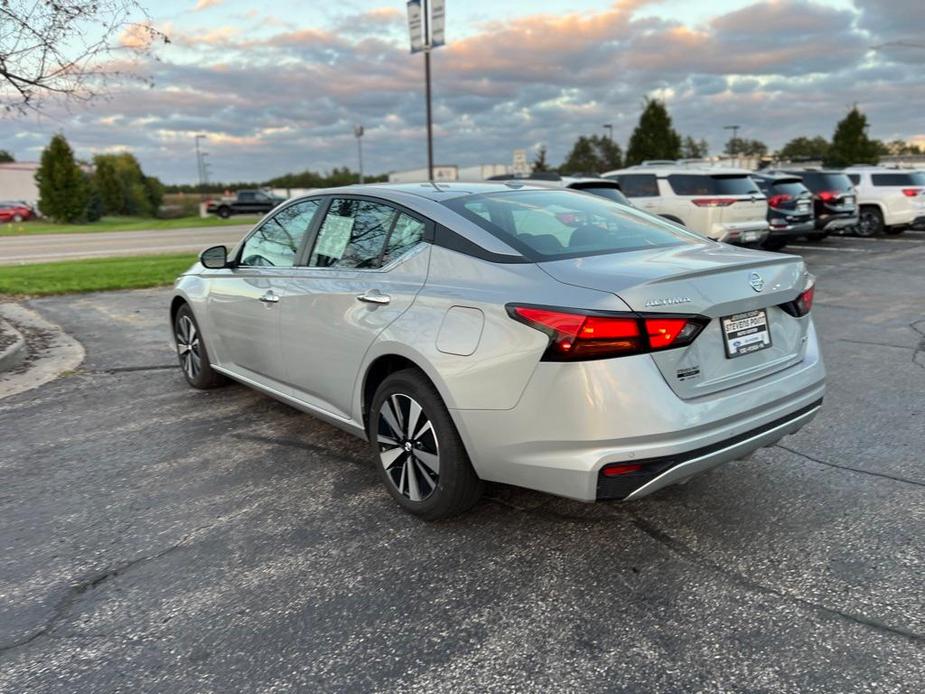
(408, 447)
(868, 224)
(188, 346)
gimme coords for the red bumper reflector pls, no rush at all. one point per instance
(617, 469)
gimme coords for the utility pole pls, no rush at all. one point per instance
(609, 128)
(358, 133)
(426, 21)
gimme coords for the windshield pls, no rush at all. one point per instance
(554, 224)
(699, 184)
(610, 192)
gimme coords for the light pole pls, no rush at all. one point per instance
(200, 168)
(734, 141)
(426, 21)
(358, 134)
(609, 128)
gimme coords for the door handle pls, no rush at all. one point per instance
(374, 297)
(269, 298)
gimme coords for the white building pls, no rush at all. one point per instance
(17, 181)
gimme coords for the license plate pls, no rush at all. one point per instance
(750, 235)
(745, 333)
(848, 200)
(803, 207)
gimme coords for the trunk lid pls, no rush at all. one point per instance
(712, 280)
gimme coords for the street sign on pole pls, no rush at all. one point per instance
(437, 23)
(416, 26)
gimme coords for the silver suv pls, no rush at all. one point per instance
(722, 204)
(508, 333)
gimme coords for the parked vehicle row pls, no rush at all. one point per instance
(514, 332)
(890, 200)
(15, 211)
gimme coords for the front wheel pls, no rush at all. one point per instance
(192, 352)
(772, 244)
(419, 455)
(816, 237)
(224, 212)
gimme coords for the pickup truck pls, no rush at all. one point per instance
(244, 202)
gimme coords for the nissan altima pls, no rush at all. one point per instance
(509, 333)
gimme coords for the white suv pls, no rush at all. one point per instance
(722, 204)
(890, 200)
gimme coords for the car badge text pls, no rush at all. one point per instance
(669, 301)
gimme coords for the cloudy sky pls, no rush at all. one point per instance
(277, 87)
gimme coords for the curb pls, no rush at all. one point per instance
(13, 355)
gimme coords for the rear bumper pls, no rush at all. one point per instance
(791, 230)
(830, 224)
(573, 419)
(741, 232)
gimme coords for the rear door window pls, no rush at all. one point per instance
(699, 184)
(353, 234)
(639, 185)
(893, 179)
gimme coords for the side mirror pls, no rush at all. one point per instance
(214, 258)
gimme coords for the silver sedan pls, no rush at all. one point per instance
(509, 333)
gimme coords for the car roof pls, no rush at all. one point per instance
(775, 176)
(670, 169)
(437, 191)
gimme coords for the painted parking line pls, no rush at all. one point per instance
(829, 248)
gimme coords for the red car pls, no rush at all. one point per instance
(15, 212)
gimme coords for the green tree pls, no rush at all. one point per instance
(592, 155)
(540, 164)
(109, 188)
(747, 148)
(654, 137)
(894, 147)
(805, 148)
(6, 157)
(63, 189)
(850, 143)
(123, 187)
(694, 149)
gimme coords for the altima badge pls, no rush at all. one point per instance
(756, 282)
(669, 301)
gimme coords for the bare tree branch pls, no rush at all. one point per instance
(69, 49)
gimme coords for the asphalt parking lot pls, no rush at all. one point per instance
(155, 538)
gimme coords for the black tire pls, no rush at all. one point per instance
(772, 244)
(224, 212)
(870, 222)
(816, 237)
(192, 353)
(406, 460)
(894, 231)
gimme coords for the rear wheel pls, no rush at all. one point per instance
(192, 353)
(420, 457)
(224, 212)
(772, 244)
(816, 237)
(870, 222)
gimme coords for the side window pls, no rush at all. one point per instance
(245, 197)
(407, 233)
(276, 243)
(639, 185)
(353, 234)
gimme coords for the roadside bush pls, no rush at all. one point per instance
(123, 188)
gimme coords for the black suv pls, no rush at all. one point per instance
(790, 208)
(834, 200)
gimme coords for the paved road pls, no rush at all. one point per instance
(155, 538)
(17, 250)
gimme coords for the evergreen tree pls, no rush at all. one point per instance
(747, 148)
(6, 157)
(850, 143)
(63, 190)
(592, 155)
(107, 185)
(540, 164)
(804, 148)
(653, 138)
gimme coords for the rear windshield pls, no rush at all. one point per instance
(818, 182)
(699, 184)
(554, 224)
(792, 188)
(605, 191)
(895, 179)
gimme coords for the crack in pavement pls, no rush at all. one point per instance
(884, 475)
(873, 344)
(920, 349)
(692, 556)
(304, 445)
(129, 369)
(684, 551)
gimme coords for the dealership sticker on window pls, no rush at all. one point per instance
(334, 236)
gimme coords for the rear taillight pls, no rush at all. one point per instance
(911, 192)
(828, 195)
(618, 469)
(578, 335)
(714, 202)
(803, 304)
(776, 200)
